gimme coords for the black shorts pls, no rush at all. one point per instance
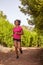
(18, 40)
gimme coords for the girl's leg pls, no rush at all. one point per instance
(16, 48)
(19, 47)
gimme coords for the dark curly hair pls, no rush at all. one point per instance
(19, 21)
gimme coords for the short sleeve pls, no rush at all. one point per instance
(21, 29)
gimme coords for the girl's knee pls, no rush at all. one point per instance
(16, 47)
(19, 47)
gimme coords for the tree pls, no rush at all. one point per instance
(35, 9)
(2, 15)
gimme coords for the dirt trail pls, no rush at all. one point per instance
(30, 56)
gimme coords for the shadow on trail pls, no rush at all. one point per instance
(29, 57)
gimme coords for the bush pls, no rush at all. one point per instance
(29, 39)
(5, 32)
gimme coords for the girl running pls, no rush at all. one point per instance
(17, 32)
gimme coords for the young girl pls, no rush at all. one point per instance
(17, 32)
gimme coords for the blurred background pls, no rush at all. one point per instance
(30, 12)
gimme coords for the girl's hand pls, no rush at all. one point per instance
(16, 32)
(20, 33)
(12, 35)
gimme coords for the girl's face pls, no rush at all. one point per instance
(16, 23)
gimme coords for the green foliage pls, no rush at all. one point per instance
(5, 32)
(35, 9)
(29, 39)
(2, 15)
(25, 37)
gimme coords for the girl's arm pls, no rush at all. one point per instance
(20, 33)
(13, 31)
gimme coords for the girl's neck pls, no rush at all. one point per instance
(17, 25)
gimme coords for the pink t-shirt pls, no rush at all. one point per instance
(17, 29)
